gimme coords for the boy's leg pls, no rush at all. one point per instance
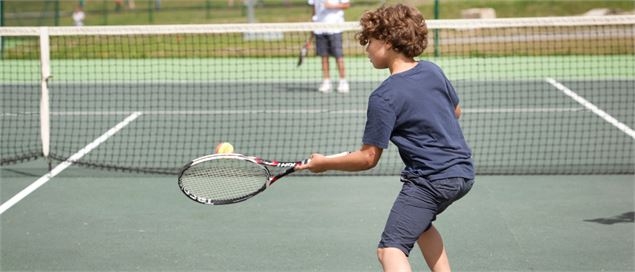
(431, 245)
(340, 67)
(325, 87)
(321, 48)
(325, 68)
(393, 259)
(409, 217)
(342, 87)
(336, 50)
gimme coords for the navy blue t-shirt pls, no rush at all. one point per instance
(415, 110)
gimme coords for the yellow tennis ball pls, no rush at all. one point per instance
(224, 148)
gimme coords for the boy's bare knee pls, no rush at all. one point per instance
(389, 252)
(384, 254)
(393, 260)
(380, 254)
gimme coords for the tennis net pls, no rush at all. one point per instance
(539, 95)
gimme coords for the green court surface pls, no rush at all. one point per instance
(92, 220)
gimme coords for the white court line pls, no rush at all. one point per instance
(599, 112)
(75, 157)
(519, 110)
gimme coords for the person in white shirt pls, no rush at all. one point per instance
(78, 16)
(329, 43)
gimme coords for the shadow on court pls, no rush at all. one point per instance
(627, 217)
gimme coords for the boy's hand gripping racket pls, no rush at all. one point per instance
(230, 178)
(304, 51)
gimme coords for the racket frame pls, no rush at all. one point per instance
(256, 160)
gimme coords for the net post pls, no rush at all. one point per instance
(44, 91)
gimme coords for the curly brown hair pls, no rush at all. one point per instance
(401, 26)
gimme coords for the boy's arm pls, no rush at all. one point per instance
(312, 8)
(329, 5)
(457, 112)
(363, 159)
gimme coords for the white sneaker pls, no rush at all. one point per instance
(342, 87)
(325, 87)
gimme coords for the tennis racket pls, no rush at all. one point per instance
(304, 50)
(230, 178)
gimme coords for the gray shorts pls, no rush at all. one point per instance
(416, 206)
(329, 45)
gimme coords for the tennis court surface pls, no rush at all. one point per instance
(548, 111)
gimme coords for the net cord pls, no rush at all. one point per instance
(465, 24)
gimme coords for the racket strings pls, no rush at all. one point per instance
(224, 179)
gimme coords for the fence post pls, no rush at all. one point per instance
(104, 8)
(436, 30)
(57, 13)
(150, 11)
(1, 25)
(208, 7)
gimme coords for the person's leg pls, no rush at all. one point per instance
(325, 87)
(340, 67)
(411, 214)
(342, 87)
(322, 50)
(338, 52)
(325, 68)
(393, 259)
(431, 245)
(430, 242)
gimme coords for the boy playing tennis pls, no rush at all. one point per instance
(417, 109)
